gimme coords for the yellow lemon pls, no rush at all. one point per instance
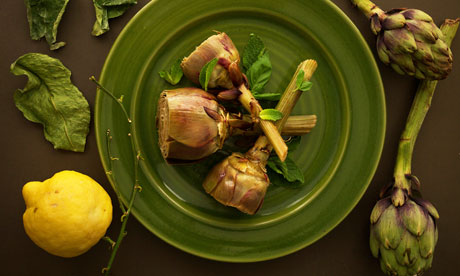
(67, 214)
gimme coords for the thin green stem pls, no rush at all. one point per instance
(110, 171)
(419, 109)
(136, 187)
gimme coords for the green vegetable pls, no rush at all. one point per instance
(174, 75)
(409, 41)
(403, 232)
(49, 98)
(206, 72)
(44, 17)
(259, 73)
(270, 114)
(253, 51)
(301, 84)
(108, 9)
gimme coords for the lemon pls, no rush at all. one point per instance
(67, 214)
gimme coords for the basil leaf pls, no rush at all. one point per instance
(174, 75)
(270, 114)
(267, 96)
(253, 51)
(44, 17)
(288, 169)
(108, 9)
(206, 72)
(259, 73)
(50, 98)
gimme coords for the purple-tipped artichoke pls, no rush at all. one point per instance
(238, 182)
(409, 41)
(403, 233)
(218, 46)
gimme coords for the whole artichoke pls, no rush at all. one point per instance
(409, 41)
(403, 233)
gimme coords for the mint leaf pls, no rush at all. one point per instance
(288, 169)
(44, 18)
(299, 79)
(293, 143)
(301, 84)
(206, 73)
(50, 98)
(270, 114)
(267, 96)
(253, 51)
(174, 75)
(306, 85)
(259, 73)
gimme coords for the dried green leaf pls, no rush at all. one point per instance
(108, 9)
(206, 72)
(44, 17)
(50, 98)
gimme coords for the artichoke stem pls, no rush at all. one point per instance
(269, 129)
(288, 101)
(418, 111)
(295, 126)
(367, 7)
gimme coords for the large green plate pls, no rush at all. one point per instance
(338, 158)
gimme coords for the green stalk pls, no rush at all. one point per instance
(367, 7)
(418, 111)
(136, 187)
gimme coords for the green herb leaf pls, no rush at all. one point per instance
(301, 84)
(108, 9)
(270, 114)
(259, 73)
(288, 169)
(44, 18)
(267, 96)
(293, 143)
(50, 98)
(206, 72)
(174, 75)
(253, 51)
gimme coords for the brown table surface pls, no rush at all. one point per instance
(344, 251)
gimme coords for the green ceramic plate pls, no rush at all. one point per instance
(338, 157)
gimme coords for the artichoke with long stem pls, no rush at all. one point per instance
(409, 41)
(193, 125)
(403, 231)
(240, 180)
(227, 74)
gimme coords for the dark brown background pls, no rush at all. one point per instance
(344, 251)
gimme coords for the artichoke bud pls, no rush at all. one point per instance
(412, 44)
(239, 182)
(403, 233)
(191, 124)
(218, 46)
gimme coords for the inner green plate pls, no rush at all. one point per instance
(338, 157)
